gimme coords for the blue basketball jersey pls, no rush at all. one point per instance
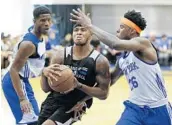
(32, 68)
(35, 63)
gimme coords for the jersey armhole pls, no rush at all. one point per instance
(33, 55)
(118, 64)
(64, 55)
(95, 63)
(67, 51)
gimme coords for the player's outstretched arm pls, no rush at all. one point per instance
(111, 40)
(26, 49)
(102, 78)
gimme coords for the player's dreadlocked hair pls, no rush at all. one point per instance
(40, 10)
(136, 18)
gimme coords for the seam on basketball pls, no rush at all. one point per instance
(63, 81)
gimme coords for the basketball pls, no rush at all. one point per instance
(65, 81)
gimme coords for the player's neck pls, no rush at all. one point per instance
(37, 34)
(81, 52)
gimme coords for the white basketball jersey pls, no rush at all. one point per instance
(33, 66)
(145, 80)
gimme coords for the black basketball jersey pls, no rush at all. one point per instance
(85, 72)
(85, 69)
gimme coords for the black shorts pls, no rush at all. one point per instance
(57, 115)
(54, 108)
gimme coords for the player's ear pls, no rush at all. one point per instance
(132, 31)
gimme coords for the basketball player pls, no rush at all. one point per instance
(148, 103)
(91, 70)
(28, 62)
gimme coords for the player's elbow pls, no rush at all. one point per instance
(13, 69)
(45, 90)
(103, 98)
(104, 95)
(116, 46)
(44, 87)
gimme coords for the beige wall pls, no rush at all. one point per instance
(158, 17)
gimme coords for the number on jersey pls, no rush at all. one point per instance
(133, 83)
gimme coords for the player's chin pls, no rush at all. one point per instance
(79, 44)
(45, 32)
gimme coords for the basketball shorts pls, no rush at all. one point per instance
(13, 100)
(50, 109)
(135, 115)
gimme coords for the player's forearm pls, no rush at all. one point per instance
(17, 84)
(113, 81)
(86, 98)
(115, 76)
(44, 84)
(110, 40)
(94, 91)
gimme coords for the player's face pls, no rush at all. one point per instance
(123, 32)
(43, 23)
(81, 35)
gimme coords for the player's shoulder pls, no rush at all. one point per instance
(27, 46)
(102, 61)
(57, 54)
(28, 35)
(31, 38)
(26, 41)
(58, 50)
(102, 65)
(143, 40)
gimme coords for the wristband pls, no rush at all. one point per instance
(79, 86)
(22, 99)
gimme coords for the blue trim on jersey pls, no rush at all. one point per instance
(145, 61)
(26, 71)
(31, 37)
(160, 85)
(35, 40)
(170, 105)
(125, 54)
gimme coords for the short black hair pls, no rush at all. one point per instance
(136, 18)
(40, 10)
(76, 24)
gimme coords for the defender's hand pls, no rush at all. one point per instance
(78, 110)
(26, 106)
(79, 17)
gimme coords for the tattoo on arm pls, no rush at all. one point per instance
(103, 73)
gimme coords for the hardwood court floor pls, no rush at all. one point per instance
(106, 112)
